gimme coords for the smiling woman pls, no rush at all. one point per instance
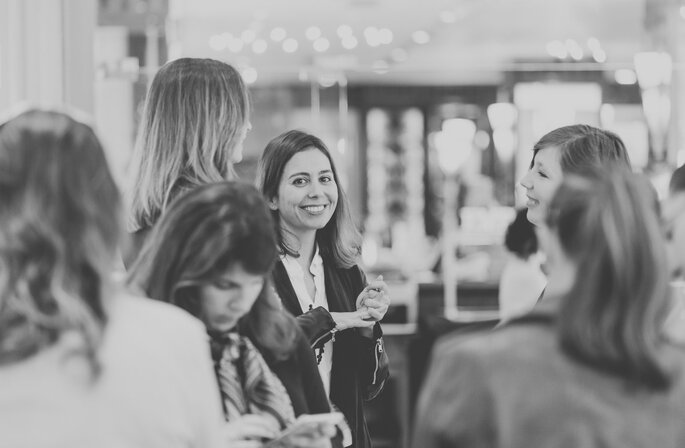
(317, 277)
(568, 150)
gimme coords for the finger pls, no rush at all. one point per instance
(373, 303)
(327, 430)
(376, 315)
(377, 286)
(244, 430)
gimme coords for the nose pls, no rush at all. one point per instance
(525, 181)
(314, 189)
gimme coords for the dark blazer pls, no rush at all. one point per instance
(352, 380)
(513, 387)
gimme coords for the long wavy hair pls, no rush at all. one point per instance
(339, 239)
(59, 229)
(584, 147)
(195, 115)
(612, 318)
(203, 233)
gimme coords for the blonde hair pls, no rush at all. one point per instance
(59, 230)
(612, 318)
(196, 112)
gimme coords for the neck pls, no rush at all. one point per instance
(302, 243)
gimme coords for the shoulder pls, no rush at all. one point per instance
(142, 321)
(513, 346)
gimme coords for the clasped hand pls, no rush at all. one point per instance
(372, 304)
(249, 431)
(374, 299)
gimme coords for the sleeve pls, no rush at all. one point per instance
(374, 367)
(316, 325)
(455, 407)
(312, 386)
(314, 392)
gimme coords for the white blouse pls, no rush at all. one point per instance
(296, 276)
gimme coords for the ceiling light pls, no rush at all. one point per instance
(421, 37)
(682, 12)
(249, 75)
(248, 36)
(574, 49)
(259, 46)
(349, 42)
(371, 34)
(599, 55)
(344, 31)
(277, 34)
(313, 32)
(290, 45)
(385, 36)
(556, 48)
(625, 76)
(321, 44)
(593, 44)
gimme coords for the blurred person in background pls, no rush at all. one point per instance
(318, 278)
(572, 149)
(522, 280)
(590, 366)
(673, 217)
(194, 124)
(84, 363)
(211, 254)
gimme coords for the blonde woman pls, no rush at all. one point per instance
(84, 363)
(195, 120)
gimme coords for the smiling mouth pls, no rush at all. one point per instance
(531, 202)
(314, 208)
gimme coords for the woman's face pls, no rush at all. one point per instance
(541, 181)
(229, 298)
(307, 192)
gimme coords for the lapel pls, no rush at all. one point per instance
(337, 288)
(339, 284)
(288, 296)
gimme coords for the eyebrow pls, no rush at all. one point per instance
(307, 174)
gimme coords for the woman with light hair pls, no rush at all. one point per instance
(83, 362)
(591, 365)
(194, 123)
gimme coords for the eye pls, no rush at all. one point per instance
(299, 181)
(225, 285)
(543, 174)
(326, 179)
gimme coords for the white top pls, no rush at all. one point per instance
(156, 389)
(520, 286)
(296, 276)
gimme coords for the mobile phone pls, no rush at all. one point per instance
(305, 423)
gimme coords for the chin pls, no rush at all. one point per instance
(534, 216)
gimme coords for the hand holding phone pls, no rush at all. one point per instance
(310, 430)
